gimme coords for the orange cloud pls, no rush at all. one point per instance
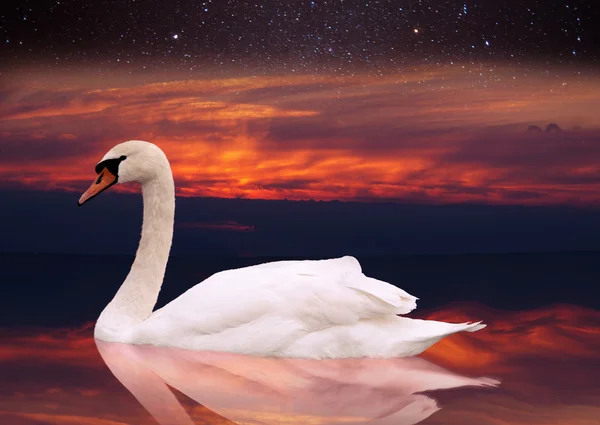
(440, 134)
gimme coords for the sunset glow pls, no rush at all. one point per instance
(455, 134)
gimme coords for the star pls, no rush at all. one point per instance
(337, 37)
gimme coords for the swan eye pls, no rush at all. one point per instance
(111, 164)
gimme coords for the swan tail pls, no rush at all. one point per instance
(394, 336)
(488, 382)
(421, 330)
(474, 327)
(416, 335)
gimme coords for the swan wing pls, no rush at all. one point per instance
(347, 272)
(265, 308)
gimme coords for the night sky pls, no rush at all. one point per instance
(296, 36)
(380, 103)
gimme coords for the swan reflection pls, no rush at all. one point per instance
(253, 390)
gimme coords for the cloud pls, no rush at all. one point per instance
(434, 135)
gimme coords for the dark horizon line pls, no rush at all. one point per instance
(308, 257)
(352, 201)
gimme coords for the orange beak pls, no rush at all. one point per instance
(104, 180)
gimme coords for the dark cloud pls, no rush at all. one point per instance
(290, 184)
(323, 132)
(283, 93)
(207, 130)
(23, 148)
(536, 154)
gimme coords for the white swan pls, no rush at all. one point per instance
(309, 309)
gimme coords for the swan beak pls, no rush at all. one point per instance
(104, 180)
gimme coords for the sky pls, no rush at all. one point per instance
(301, 36)
(432, 103)
(444, 135)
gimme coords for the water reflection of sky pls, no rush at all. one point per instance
(545, 359)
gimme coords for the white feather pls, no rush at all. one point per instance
(310, 309)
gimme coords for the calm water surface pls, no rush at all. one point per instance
(536, 363)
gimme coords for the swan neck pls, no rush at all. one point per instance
(135, 300)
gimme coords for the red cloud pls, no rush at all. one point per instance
(424, 135)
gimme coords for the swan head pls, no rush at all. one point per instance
(131, 161)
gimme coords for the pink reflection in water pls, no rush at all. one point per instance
(251, 390)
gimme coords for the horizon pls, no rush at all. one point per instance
(283, 228)
(293, 257)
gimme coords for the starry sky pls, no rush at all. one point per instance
(296, 36)
(378, 102)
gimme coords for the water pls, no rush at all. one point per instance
(541, 345)
(68, 290)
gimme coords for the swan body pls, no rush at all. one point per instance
(306, 309)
